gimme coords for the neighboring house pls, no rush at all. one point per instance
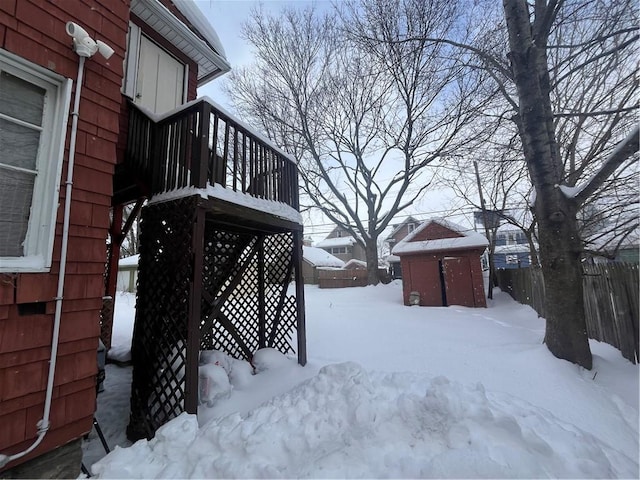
(343, 245)
(128, 274)
(314, 259)
(398, 233)
(119, 146)
(628, 253)
(441, 265)
(613, 249)
(511, 250)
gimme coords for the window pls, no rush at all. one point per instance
(511, 259)
(33, 120)
(411, 227)
(338, 250)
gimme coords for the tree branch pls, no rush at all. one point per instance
(623, 151)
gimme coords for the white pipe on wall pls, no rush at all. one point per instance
(44, 423)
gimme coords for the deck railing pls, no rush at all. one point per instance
(201, 145)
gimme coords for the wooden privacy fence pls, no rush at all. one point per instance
(341, 278)
(610, 301)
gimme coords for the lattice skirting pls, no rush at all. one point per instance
(209, 286)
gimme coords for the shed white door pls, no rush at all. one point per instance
(160, 78)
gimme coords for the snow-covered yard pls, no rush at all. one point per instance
(393, 391)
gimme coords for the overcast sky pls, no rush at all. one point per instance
(227, 17)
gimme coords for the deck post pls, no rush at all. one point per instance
(193, 322)
(301, 323)
(262, 321)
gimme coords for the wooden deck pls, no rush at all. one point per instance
(198, 146)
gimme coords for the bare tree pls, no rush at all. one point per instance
(130, 244)
(569, 84)
(505, 193)
(364, 118)
(556, 208)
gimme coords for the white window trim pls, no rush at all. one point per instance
(38, 244)
(131, 61)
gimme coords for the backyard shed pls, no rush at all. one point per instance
(313, 259)
(441, 265)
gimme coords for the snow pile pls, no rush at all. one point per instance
(218, 374)
(399, 392)
(347, 423)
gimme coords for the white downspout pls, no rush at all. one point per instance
(84, 49)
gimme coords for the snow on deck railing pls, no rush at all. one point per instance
(199, 144)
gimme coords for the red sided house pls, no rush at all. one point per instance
(98, 110)
(441, 265)
(398, 233)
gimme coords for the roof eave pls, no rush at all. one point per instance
(210, 63)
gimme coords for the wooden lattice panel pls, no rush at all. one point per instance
(160, 334)
(242, 291)
(247, 307)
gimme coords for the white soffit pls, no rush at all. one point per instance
(211, 64)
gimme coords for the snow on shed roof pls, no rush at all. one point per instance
(336, 242)
(469, 239)
(318, 257)
(129, 261)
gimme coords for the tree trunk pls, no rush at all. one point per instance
(371, 251)
(560, 246)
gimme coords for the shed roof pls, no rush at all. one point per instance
(336, 242)
(318, 257)
(354, 263)
(129, 261)
(468, 239)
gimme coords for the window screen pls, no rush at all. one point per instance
(21, 113)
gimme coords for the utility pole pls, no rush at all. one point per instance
(486, 231)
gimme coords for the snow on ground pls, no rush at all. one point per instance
(391, 391)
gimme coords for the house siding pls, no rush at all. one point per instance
(35, 30)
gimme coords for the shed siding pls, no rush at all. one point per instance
(35, 30)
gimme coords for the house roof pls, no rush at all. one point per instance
(396, 228)
(468, 239)
(208, 53)
(511, 249)
(318, 257)
(336, 242)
